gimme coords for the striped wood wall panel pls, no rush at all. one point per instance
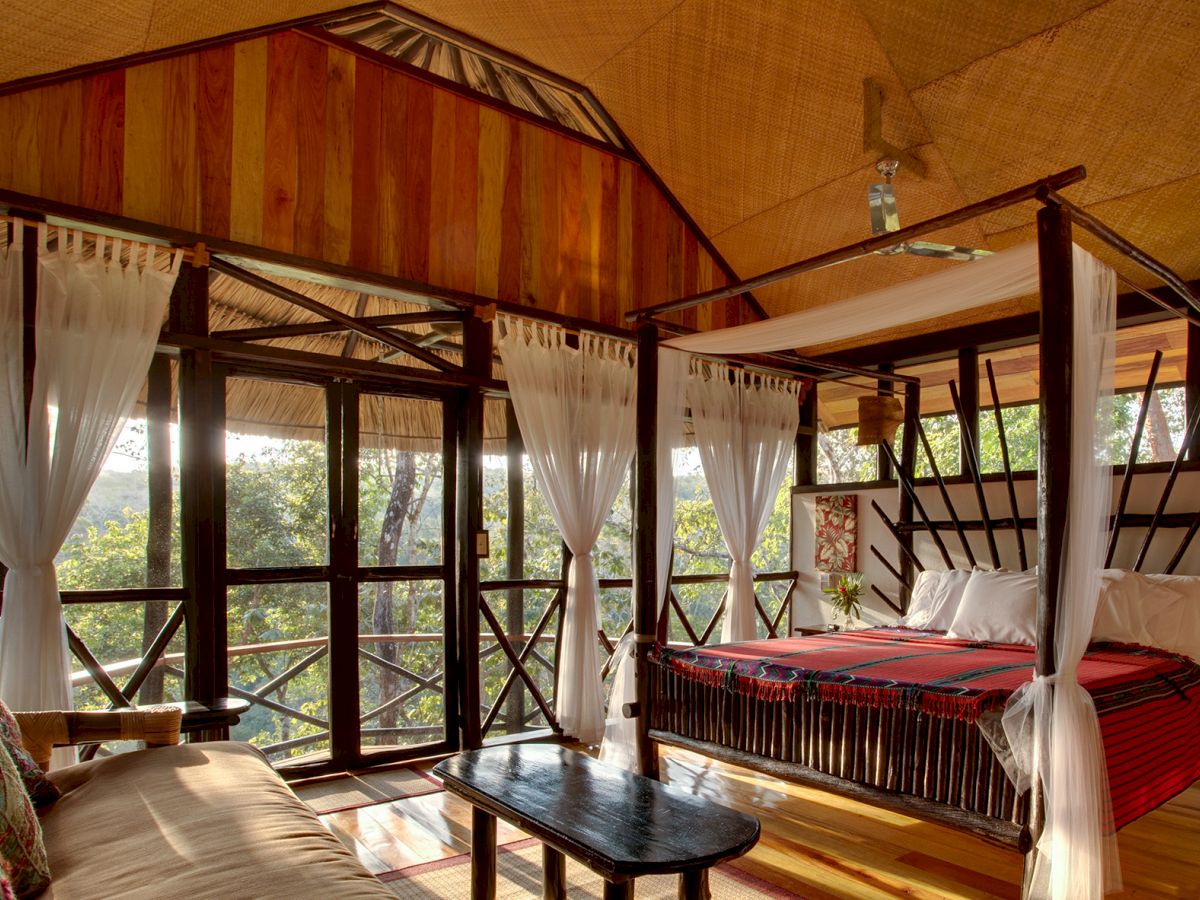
(291, 144)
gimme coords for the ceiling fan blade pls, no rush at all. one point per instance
(881, 198)
(944, 251)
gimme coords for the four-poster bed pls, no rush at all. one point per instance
(897, 753)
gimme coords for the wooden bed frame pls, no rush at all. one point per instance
(932, 768)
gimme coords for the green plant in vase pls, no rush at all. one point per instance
(844, 599)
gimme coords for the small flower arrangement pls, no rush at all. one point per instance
(843, 596)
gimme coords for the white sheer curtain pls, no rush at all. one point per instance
(98, 320)
(576, 413)
(1010, 273)
(619, 746)
(745, 431)
(1051, 722)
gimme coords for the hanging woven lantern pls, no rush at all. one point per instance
(878, 419)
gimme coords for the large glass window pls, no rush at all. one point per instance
(400, 481)
(277, 480)
(279, 654)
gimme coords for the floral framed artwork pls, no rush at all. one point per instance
(836, 530)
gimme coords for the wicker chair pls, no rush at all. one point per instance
(42, 731)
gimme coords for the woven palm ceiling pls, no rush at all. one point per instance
(752, 111)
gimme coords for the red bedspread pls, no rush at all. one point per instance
(1148, 700)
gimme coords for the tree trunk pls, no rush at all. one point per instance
(1161, 445)
(383, 618)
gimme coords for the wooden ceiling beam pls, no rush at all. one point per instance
(305, 302)
(302, 329)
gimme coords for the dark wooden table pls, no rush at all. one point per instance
(209, 720)
(616, 823)
(803, 630)
(223, 712)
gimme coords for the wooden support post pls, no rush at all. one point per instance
(645, 593)
(968, 391)
(1054, 424)
(515, 447)
(451, 653)
(477, 359)
(908, 457)
(886, 469)
(202, 494)
(1056, 371)
(806, 438)
(159, 513)
(1192, 378)
(341, 428)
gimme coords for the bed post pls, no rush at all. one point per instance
(1054, 445)
(908, 460)
(645, 600)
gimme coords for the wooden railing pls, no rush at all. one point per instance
(525, 653)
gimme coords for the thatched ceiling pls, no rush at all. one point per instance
(752, 111)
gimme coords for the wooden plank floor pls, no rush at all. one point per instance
(814, 844)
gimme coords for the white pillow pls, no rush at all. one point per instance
(1176, 626)
(999, 607)
(935, 599)
(1128, 602)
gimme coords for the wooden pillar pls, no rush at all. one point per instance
(806, 438)
(202, 493)
(159, 514)
(477, 358)
(1054, 422)
(968, 394)
(908, 456)
(451, 657)
(1192, 380)
(1054, 444)
(645, 591)
(515, 450)
(341, 424)
(885, 387)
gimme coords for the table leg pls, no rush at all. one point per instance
(694, 885)
(618, 890)
(483, 855)
(554, 874)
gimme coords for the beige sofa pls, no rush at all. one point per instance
(183, 821)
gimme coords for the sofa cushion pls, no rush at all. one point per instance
(22, 856)
(41, 791)
(192, 821)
